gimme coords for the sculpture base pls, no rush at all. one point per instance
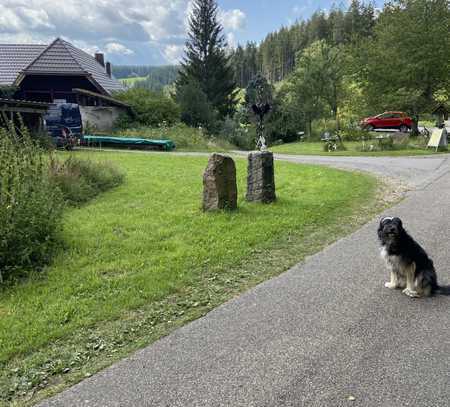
(261, 177)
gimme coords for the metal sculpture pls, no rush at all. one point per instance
(259, 100)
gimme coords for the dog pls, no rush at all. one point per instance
(410, 267)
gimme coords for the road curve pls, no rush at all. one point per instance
(416, 172)
(325, 333)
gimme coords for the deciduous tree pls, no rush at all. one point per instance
(409, 60)
(316, 84)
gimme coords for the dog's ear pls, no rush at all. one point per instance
(381, 224)
(398, 221)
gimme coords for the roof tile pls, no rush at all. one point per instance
(60, 57)
(14, 58)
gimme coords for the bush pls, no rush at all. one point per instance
(284, 125)
(195, 108)
(81, 180)
(44, 140)
(381, 145)
(149, 108)
(321, 126)
(30, 205)
(354, 134)
(241, 135)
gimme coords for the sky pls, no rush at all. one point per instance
(144, 32)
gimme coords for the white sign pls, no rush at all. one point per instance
(438, 138)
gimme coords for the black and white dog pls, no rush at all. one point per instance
(410, 267)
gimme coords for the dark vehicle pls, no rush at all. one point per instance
(64, 125)
(388, 120)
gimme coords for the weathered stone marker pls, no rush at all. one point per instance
(219, 183)
(261, 178)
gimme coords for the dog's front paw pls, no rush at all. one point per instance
(390, 285)
(411, 293)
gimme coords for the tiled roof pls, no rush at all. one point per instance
(14, 58)
(89, 64)
(62, 58)
(55, 59)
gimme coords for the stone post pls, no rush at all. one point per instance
(219, 183)
(261, 178)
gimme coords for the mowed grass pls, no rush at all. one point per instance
(132, 81)
(143, 258)
(353, 148)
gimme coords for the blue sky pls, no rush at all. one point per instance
(150, 32)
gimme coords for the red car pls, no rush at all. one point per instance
(388, 120)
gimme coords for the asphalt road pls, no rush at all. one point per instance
(415, 172)
(325, 333)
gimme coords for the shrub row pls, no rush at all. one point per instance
(30, 205)
(81, 180)
(34, 189)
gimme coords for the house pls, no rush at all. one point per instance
(62, 72)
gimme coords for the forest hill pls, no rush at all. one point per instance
(275, 57)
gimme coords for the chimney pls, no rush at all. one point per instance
(108, 69)
(100, 58)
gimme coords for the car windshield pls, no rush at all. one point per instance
(63, 115)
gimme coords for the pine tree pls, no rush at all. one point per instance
(206, 61)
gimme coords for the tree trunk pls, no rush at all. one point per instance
(415, 125)
(336, 118)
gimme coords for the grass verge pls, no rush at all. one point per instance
(185, 138)
(353, 148)
(142, 260)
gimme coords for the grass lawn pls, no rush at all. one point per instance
(143, 259)
(353, 149)
(132, 81)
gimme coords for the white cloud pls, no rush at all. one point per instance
(9, 22)
(137, 30)
(117, 48)
(231, 40)
(34, 18)
(173, 53)
(233, 19)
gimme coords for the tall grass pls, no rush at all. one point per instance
(34, 189)
(30, 205)
(81, 180)
(184, 137)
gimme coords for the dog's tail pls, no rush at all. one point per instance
(442, 290)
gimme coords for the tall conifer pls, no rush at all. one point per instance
(206, 61)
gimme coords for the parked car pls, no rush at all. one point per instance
(388, 120)
(63, 123)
